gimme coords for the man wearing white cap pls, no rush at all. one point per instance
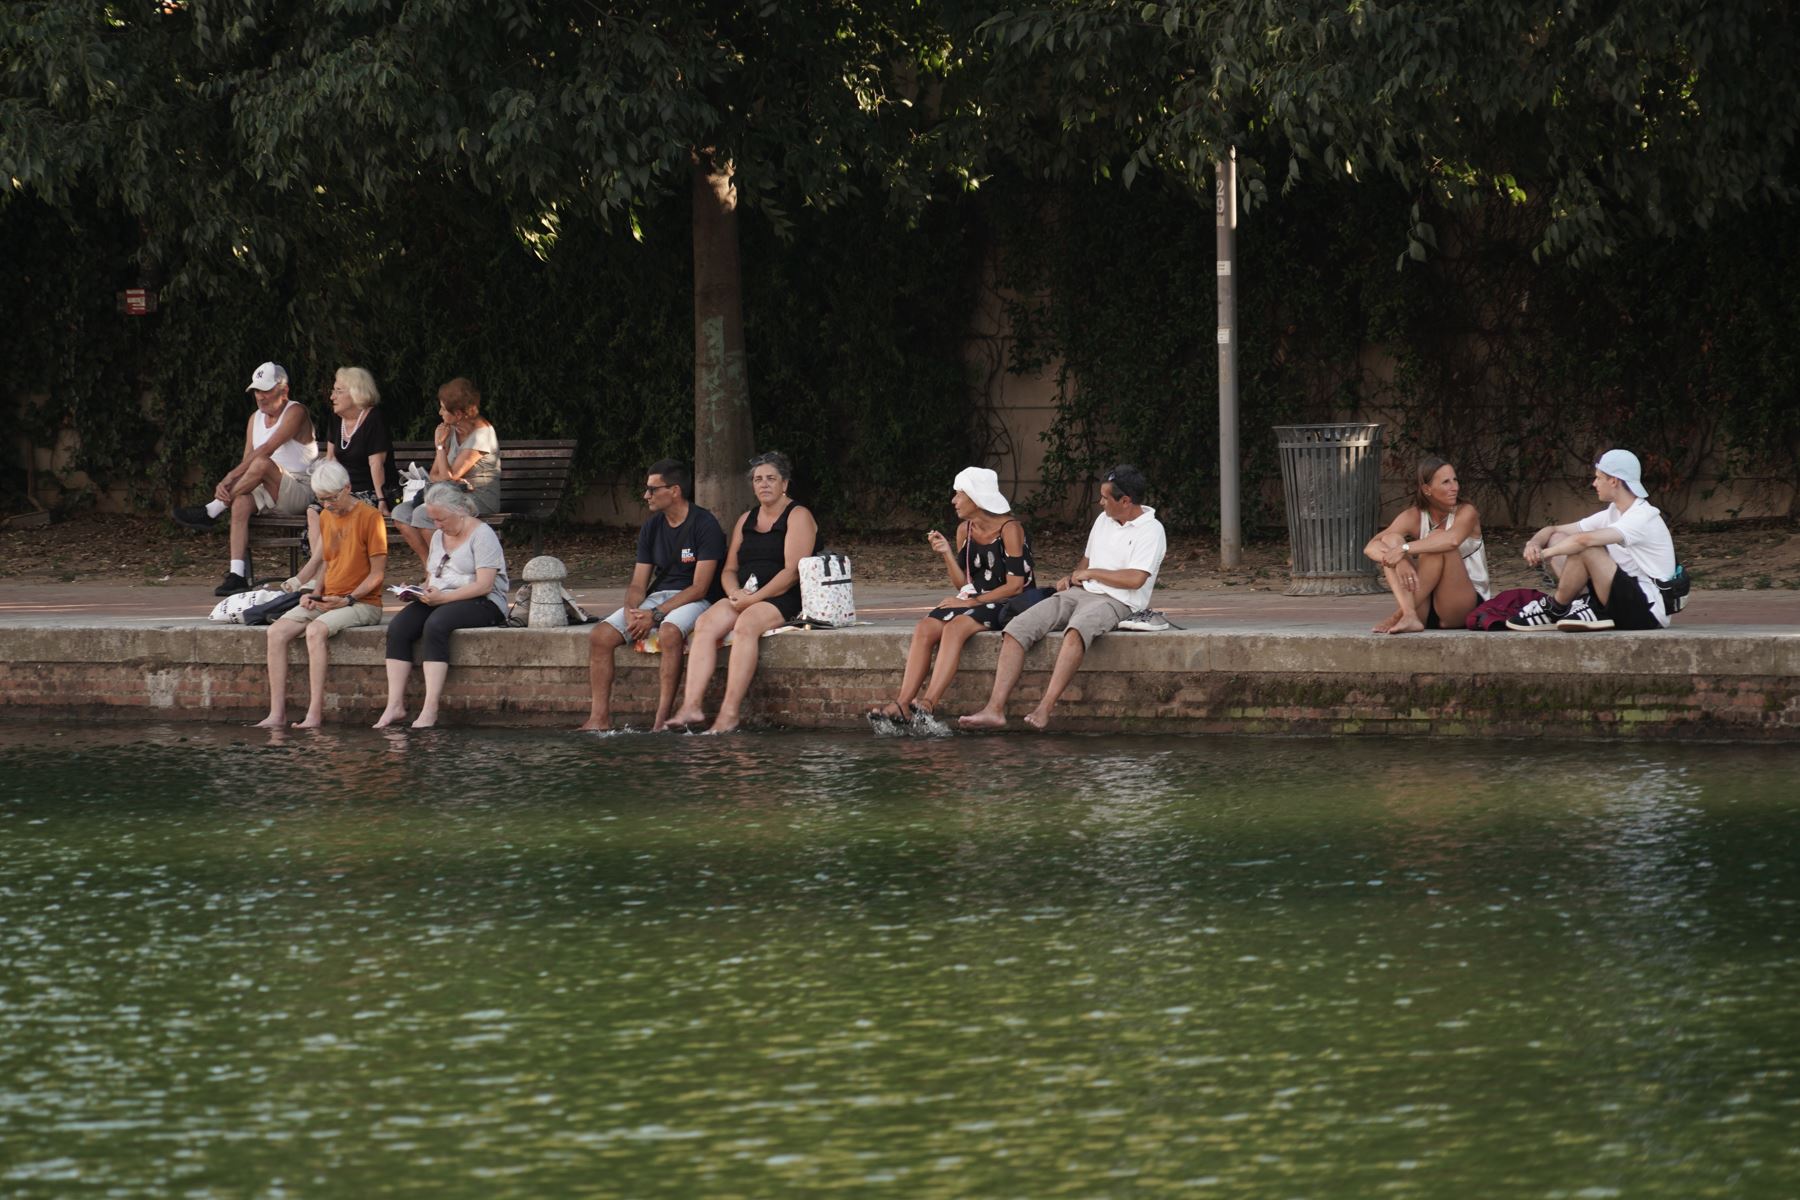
(279, 449)
(1609, 566)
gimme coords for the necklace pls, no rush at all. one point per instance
(346, 432)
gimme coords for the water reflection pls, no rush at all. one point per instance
(526, 963)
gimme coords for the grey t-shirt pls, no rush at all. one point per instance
(481, 550)
(484, 475)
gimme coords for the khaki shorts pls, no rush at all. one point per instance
(335, 620)
(1089, 614)
(296, 494)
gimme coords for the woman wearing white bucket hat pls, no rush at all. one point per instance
(991, 566)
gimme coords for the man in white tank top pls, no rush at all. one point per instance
(273, 475)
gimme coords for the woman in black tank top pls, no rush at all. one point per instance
(991, 565)
(762, 592)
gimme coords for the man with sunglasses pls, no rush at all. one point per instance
(680, 549)
(1116, 575)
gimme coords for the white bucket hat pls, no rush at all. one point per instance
(269, 375)
(983, 487)
(1623, 465)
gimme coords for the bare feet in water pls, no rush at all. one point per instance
(985, 719)
(310, 722)
(686, 717)
(388, 717)
(274, 720)
(595, 725)
(1038, 720)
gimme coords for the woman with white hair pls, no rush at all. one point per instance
(356, 436)
(465, 588)
(990, 566)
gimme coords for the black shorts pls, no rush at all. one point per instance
(787, 604)
(1629, 608)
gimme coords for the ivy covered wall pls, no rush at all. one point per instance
(857, 326)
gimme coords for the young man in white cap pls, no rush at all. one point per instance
(1608, 567)
(279, 449)
(1116, 575)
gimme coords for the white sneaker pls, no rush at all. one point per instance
(1146, 620)
(1582, 617)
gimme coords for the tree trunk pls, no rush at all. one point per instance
(723, 436)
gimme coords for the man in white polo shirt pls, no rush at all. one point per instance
(1117, 574)
(279, 449)
(1609, 566)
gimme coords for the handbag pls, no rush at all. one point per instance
(827, 592)
(266, 612)
(1494, 614)
(1032, 595)
(232, 608)
(1675, 590)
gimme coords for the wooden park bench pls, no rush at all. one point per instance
(533, 477)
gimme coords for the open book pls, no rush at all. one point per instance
(408, 591)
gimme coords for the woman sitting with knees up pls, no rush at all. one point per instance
(991, 565)
(467, 455)
(762, 592)
(1432, 555)
(465, 588)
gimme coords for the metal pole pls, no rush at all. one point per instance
(1225, 214)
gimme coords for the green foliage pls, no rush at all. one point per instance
(1119, 294)
(857, 332)
(1616, 120)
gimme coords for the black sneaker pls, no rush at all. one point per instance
(234, 583)
(1582, 617)
(1537, 616)
(194, 516)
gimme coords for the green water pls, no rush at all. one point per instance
(535, 964)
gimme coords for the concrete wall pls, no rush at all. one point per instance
(1719, 685)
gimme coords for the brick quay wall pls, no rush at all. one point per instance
(1704, 683)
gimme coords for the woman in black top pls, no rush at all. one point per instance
(357, 437)
(762, 592)
(991, 567)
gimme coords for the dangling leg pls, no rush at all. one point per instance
(746, 649)
(949, 657)
(703, 657)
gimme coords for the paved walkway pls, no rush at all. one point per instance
(1221, 609)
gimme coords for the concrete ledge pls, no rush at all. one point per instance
(1738, 683)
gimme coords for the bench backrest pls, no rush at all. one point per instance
(533, 474)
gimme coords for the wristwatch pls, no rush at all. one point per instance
(656, 617)
(1406, 547)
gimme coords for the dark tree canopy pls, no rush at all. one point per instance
(1614, 118)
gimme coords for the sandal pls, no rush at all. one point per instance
(890, 711)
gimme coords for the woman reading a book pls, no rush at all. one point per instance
(465, 588)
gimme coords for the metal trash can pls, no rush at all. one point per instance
(1331, 476)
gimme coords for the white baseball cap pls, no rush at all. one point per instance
(983, 487)
(1623, 465)
(270, 374)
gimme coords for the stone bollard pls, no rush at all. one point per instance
(545, 575)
